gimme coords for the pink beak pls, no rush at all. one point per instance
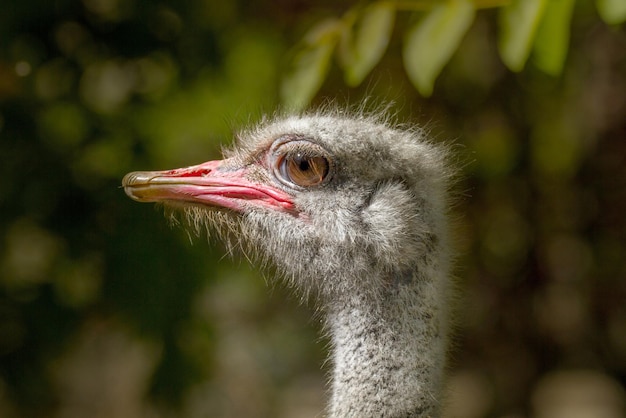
(206, 184)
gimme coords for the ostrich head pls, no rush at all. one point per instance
(326, 199)
(351, 211)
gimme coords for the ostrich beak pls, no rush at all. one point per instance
(210, 184)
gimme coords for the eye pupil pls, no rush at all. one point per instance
(303, 164)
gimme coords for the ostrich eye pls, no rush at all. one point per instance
(300, 163)
(303, 170)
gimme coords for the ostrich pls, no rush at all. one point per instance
(351, 211)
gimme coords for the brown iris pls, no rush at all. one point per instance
(303, 170)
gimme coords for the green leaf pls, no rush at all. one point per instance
(362, 47)
(310, 65)
(518, 23)
(552, 39)
(612, 12)
(429, 45)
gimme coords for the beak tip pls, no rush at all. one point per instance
(134, 180)
(131, 179)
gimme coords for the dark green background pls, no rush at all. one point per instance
(108, 311)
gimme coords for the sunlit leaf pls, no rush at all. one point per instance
(518, 24)
(552, 39)
(310, 65)
(612, 12)
(429, 45)
(362, 47)
(309, 70)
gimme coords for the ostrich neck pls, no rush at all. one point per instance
(388, 356)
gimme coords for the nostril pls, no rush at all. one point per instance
(203, 172)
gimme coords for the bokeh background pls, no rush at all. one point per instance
(106, 310)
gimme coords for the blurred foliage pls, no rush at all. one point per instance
(362, 35)
(106, 310)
